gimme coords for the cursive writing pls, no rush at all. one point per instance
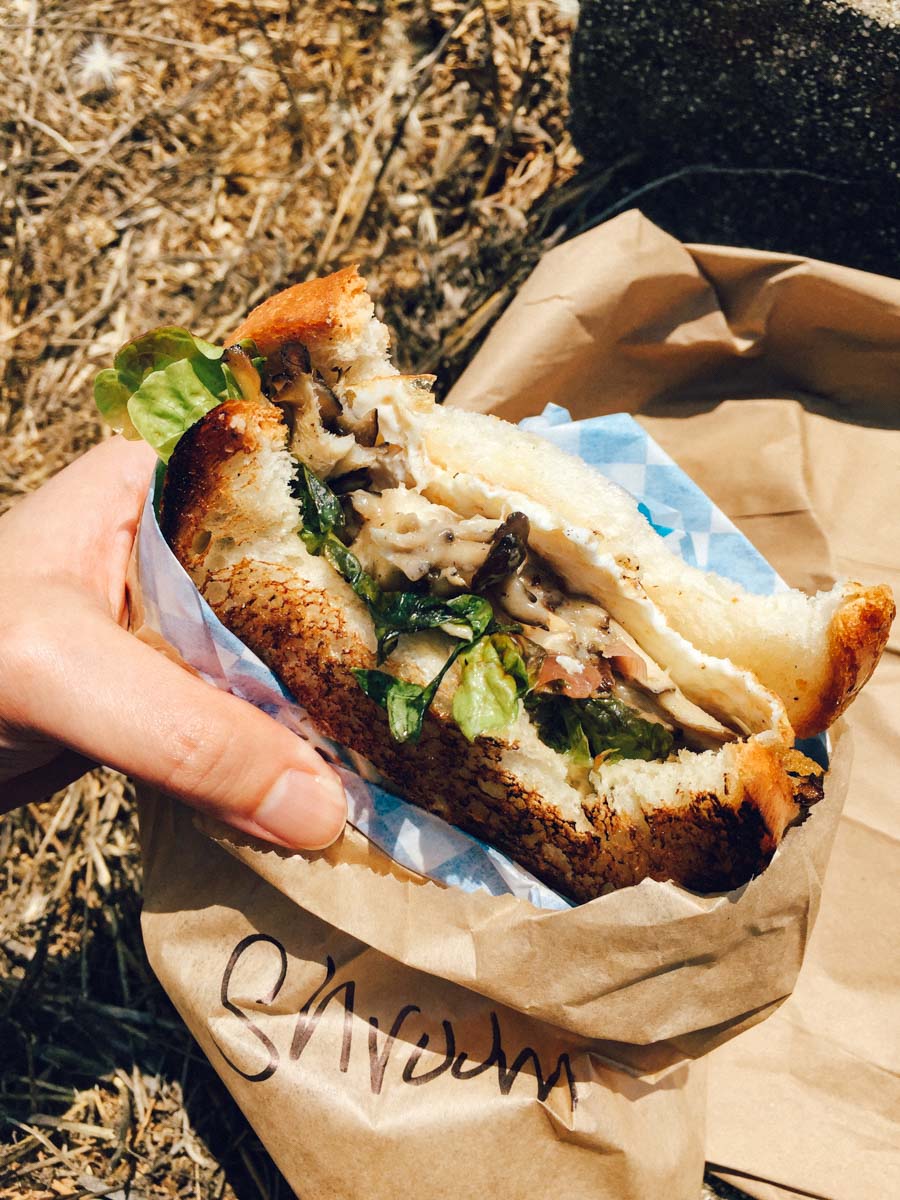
(381, 1042)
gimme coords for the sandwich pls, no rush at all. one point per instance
(487, 620)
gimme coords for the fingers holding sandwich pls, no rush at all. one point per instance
(77, 680)
(76, 689)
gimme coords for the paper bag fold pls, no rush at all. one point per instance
(364, 1077)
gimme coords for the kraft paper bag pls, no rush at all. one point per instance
(774, 381)
(366, 1078)
(562, 1048)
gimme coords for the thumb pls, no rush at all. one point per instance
(110, 697)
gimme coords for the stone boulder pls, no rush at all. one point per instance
(773, 123)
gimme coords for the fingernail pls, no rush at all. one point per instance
(302, 810)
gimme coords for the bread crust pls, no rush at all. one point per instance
(309, 312)
(324, 313)
(816, 682)
(305, 633)
(857, 636)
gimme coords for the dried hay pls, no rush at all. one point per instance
(175, 163)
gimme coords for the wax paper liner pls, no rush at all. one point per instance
(423, 843)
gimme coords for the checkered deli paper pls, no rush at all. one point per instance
(615, 445)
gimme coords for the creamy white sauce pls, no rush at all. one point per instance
(404, 537)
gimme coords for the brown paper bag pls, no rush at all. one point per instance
(554, 1044)
(570, 1030)
(775, 383)
(366, 1078)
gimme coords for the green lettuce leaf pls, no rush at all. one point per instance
(111, 396)
(512, 658)
(487, 698)
(162, 383)
(158, 349)
(168, 403)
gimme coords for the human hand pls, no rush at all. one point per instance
(77, 689)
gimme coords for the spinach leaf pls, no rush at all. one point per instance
(348, 565)
(406, 703)
(395, 613)
(612, 726)
(559, 726)
(319, 506)
(600, 725)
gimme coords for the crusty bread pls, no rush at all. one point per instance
(709, 821)
(814, 652)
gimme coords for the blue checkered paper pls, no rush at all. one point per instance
(673, 504)
(423, 843)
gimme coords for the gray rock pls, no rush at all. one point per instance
(778, 121)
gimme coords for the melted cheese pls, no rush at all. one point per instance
(405, 538)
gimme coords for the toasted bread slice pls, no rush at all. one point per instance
(707, 820)
(814, 652)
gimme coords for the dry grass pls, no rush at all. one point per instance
(248, 144)
(240, 146)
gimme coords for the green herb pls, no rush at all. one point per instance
(487, 698)
(406, 703)
(348, 565)
(161, 384)
(599, 725)
(393, 613)
(611, 725)
(559, 726)
(319, 506)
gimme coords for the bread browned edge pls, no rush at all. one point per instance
(307, 312)
(857, 636)
(708, 844)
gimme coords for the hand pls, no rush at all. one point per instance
(77, 689)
